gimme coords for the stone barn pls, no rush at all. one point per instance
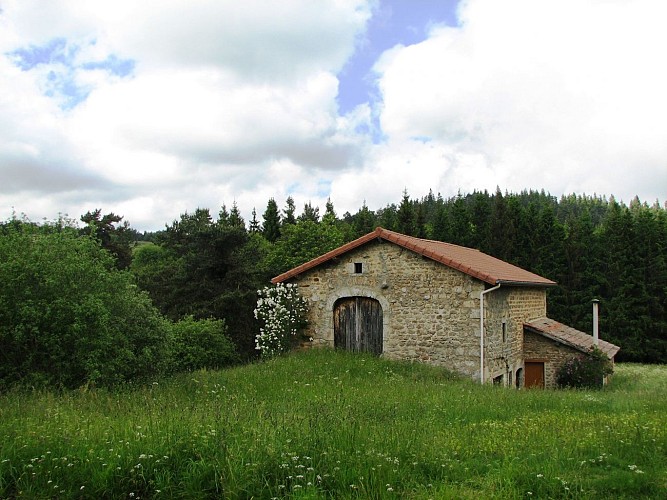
(414, 299)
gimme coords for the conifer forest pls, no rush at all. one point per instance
(593, 247)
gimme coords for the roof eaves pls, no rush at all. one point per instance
(546, 283)
(607, 347)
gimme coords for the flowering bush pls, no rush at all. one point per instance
(585, 372)
(283, 313)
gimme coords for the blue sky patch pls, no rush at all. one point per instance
(60, 57)
(54, 52)
(112, 64)
(394, 22)
(323, 187)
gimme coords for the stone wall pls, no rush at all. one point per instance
(552, 353)
(513, 306)
(430, 311)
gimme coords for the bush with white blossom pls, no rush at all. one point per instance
(282, 311)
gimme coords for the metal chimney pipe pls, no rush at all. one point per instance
(596, 332)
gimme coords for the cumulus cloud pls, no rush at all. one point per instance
(268, 41)
(566, 96)
(153, 108)
(168, 100)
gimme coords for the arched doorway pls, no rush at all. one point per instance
(358, 324)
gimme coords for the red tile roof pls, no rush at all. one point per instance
(569, 336)
(467, 260)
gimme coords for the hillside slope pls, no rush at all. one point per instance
(321, 424)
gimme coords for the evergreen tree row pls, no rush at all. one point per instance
(592, 246)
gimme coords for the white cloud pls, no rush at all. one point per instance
(264, 40)
(566, 96)
(222, 97)
(236, 101)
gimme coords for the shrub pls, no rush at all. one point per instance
(587, 371)
(283, 313)
(68, 317)
(198, 344)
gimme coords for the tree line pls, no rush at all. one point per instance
(592, 246)
(208, 266)
(71, 314)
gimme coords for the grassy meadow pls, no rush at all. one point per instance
(322, 424)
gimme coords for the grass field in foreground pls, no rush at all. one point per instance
(322, 424)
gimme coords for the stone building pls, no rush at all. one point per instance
(408, 298)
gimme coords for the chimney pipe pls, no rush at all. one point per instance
(596, 333)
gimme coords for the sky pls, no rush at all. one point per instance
(155, 108)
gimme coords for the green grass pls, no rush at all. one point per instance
(321, 424)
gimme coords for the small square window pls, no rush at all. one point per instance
(358, 268)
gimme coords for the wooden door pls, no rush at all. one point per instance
(358, 325)
(534, 374)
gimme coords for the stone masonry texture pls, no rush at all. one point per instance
(431, 313)
(553, 354)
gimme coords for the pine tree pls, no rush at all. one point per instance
(420, 222)
(481, 218)
(271, 226)
(441, 223)
(254, 223)
(501, 230)
(387, 217)
(309, 213)
(289, 216)
(460, 224)
(235, 219)
(330, 214)
(112, 235)
(364, 221)
(223, 216)
(406, 216)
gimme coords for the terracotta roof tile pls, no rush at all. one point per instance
(467, 260)
(569, 336)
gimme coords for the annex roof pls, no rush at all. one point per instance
(569, 336)
(467, 260)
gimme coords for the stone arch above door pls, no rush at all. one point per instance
(358, 325)
(344, 292)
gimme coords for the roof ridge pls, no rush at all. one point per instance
(427, 240)
(467, 260)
